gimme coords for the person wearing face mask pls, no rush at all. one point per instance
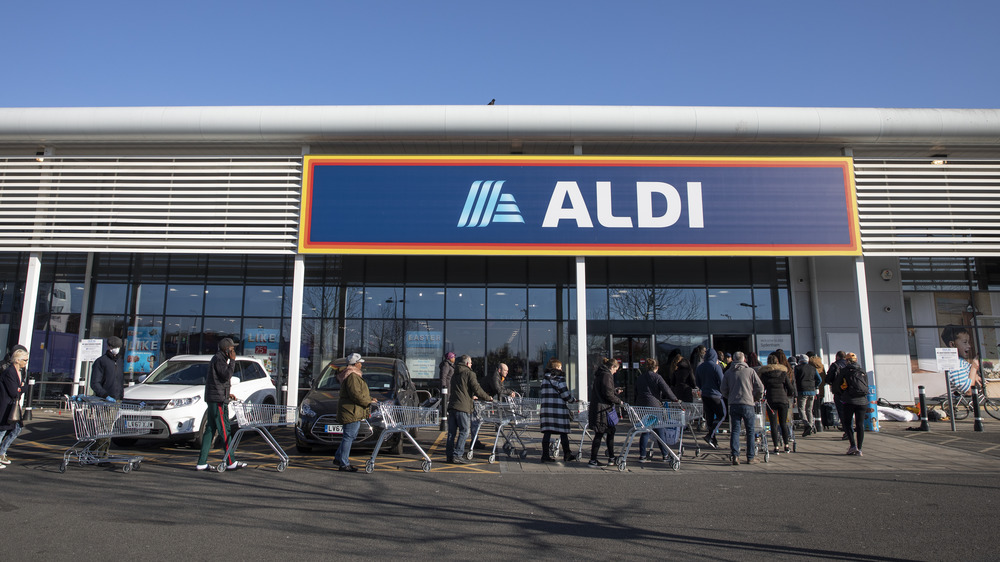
(107, 379)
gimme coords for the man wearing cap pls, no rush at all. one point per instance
(353, 407)
(108, 377)
(217, 395)
(463, 387)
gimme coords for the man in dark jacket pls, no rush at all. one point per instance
(463, 387)
(709, 377)
(831, 377)
(107, 379)
(446, 370)
(217, 382)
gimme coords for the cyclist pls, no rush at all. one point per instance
(963, 379)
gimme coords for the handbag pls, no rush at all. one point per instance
(612, 417)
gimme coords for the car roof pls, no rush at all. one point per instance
(207, 358)
(373, 360)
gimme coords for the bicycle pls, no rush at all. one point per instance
(963, 403)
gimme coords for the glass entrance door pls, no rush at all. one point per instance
(631, 351)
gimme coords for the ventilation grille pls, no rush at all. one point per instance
(929, 207)
(193, 205)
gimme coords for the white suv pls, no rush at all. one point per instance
(175, 391)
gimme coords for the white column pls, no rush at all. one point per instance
(295, 336)
(867, 358)
(814, 308)
(30, 300)
(84, 319)
(581, 327)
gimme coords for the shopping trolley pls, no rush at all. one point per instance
(97, 419)
(579, 411)
(259, 417)
(398, 419)
(647, 420)
(761, 428)
(512, 416)
(694, 418)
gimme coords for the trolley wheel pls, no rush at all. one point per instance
(127, 467)
(469, 455)
(794, 447)
(767, 455)
(281, 466)
(62, 467)
(523, 454)
(507, 449)
(369, 466)
(492, 459)
(622, 463)
(675, 465)
(221, 467)
(137, 465)
(425, 465)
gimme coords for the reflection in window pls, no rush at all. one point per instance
(542, 304)
(680, 304)
(218, 328)
(425, 302)
(730, 304)
(507, 342)
(263, 301)
(631, 303)
(597, 304)
(224, 300)
(467, 338)
(181, 336)
(383, 302)
(185, 299)
(111, 298)
(466, 302)
(383, 337)
(150, 298)
(506, 303)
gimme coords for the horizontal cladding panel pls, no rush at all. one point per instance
(187, 204)
(919, 208)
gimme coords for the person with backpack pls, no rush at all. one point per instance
(831, 377)
(808, 382)
(852, 383)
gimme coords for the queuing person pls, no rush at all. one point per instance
(831, 377)
(742, 388)
(11, 389)
(808, 382)
(107, 378)
(353, 407)
(464, 387)
(709, 377)
(603, 415)
(778, 389)
(853, 384)
(682, 380)
(553, 413)
(966, 377)
(446, 369)
(217, 396)
(697, 356)
(652, 391)
(494, 384)
(753, 361)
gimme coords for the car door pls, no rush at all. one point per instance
(406, 391)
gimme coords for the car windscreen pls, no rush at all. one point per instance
(179, 372)
(378, 377)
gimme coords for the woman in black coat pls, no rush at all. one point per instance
(11, 388)
(778, 388)
(652, 391)
(682, 380)
(603, 399)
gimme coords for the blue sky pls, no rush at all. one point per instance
(305, 52)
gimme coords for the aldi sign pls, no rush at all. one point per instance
(578, 205)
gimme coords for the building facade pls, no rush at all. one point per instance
(175, 227)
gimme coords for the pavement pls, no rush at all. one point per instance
(894, 448)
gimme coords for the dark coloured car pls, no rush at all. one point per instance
(387, 378)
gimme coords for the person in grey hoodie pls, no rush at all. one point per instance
(742, 387)
(709, 378)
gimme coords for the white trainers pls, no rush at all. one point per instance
(4, 460)
(236, 465)
(201, 467)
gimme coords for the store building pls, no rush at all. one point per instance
(512, 234)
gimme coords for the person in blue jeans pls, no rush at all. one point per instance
(742, 387)
(464, 387)
(353, 407)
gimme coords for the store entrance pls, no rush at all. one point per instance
(631, 350)
(731, 343)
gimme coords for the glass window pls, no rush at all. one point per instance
(352, 337)
(261, 338)
(507, 342)
(224, 300)
(111, 298)
(355, 302)
(181, 336)
(424, 348)
(312, 302)
(218, 328)
(730, 304)
(544, 339)
(263, 301)
(466, 338)
(506, 303)
(542, 304)
(185, 300)
(425, 302)
(597, 303)
(384, 302)
(383, 338)
(631, 303)
(150, 299)
(674, 303)
(466, 302)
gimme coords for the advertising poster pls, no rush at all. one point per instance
(143, 350)
(262, 344)
(423, 352)
(769, 343)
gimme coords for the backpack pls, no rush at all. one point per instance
(854, 381)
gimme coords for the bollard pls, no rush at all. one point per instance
(978, 425)
(923, 410)
(444, 410)
(27, 406)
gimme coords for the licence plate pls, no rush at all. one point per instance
(334, 429)
(139, 424)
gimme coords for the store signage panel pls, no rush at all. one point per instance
(577, 205)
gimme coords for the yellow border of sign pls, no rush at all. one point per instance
(309, 161)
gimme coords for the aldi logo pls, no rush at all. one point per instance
(486, 204)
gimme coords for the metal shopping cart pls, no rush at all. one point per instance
(694, 418)
(579, 411)
(96, 419)
(512, 416)
(761, 429)
(648, 420)
(259, 417)
(398, 419)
